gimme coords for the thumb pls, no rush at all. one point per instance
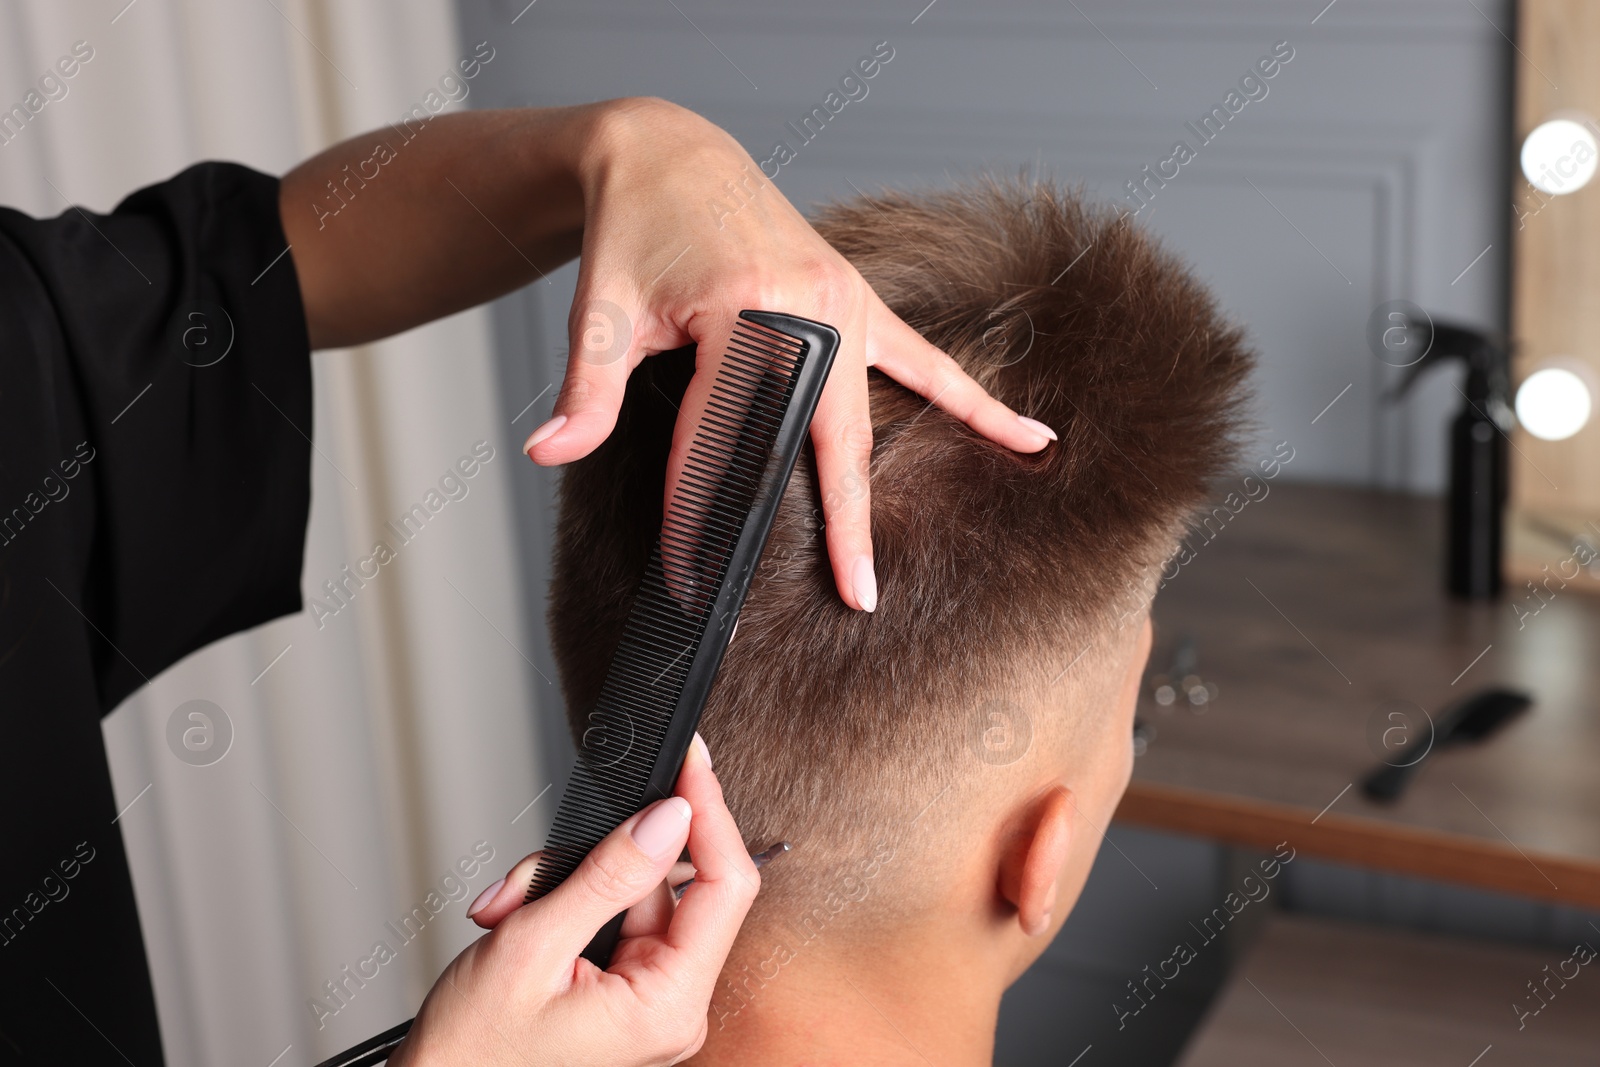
(601, 355)
(621, 871)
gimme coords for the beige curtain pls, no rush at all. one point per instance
(382, 747)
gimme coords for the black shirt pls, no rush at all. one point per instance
(155, 407)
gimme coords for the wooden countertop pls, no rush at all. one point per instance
(1311, 992)
(1311, 610)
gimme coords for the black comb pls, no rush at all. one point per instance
(687, 603)
(689, 599)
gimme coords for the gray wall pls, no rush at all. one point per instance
(1376, 167)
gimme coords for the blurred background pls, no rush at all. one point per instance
(1378, 166)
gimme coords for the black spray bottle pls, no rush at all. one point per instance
(1479, 447)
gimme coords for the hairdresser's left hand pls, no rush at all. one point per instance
(681, 232)
(522, 996)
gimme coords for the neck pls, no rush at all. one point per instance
(822, 1004)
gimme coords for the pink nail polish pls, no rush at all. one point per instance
(544, 432)
(1037, 427)
(865, 583)
(484, 898)
(658, 833)
(700, 742)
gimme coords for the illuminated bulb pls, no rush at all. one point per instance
(1559, 156)
(1553, 403)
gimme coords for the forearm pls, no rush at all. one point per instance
(406, 224)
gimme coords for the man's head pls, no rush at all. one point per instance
(947, 754)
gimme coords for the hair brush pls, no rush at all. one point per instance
(687, 604)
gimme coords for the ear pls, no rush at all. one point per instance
(1031, 865)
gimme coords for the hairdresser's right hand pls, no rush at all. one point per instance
(681, 231)
(522, 995)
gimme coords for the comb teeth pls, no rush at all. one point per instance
(734, 460)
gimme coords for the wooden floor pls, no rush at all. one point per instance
(1320, 992)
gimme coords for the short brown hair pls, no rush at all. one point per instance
(989, 561)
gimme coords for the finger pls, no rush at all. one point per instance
(506, 895)
(652, 914)
(726, 881)
(603, 351)
(712, 335)
(841, 432)
(624, 868)
(903, 354)
(684, 495)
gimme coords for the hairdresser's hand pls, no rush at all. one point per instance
(682, 231)
(521, 995)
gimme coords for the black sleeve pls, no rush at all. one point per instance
(163, 351)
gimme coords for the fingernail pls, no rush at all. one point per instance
(1037, 427)
(484, 898)
(865, 583)
(1044, 923)
(700, 745)
(657, 833)
(544, 432)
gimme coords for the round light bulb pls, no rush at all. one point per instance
(1553, 403)
(1559, 156)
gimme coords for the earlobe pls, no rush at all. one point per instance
(1031, 866)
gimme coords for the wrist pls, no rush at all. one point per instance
(614, 133)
